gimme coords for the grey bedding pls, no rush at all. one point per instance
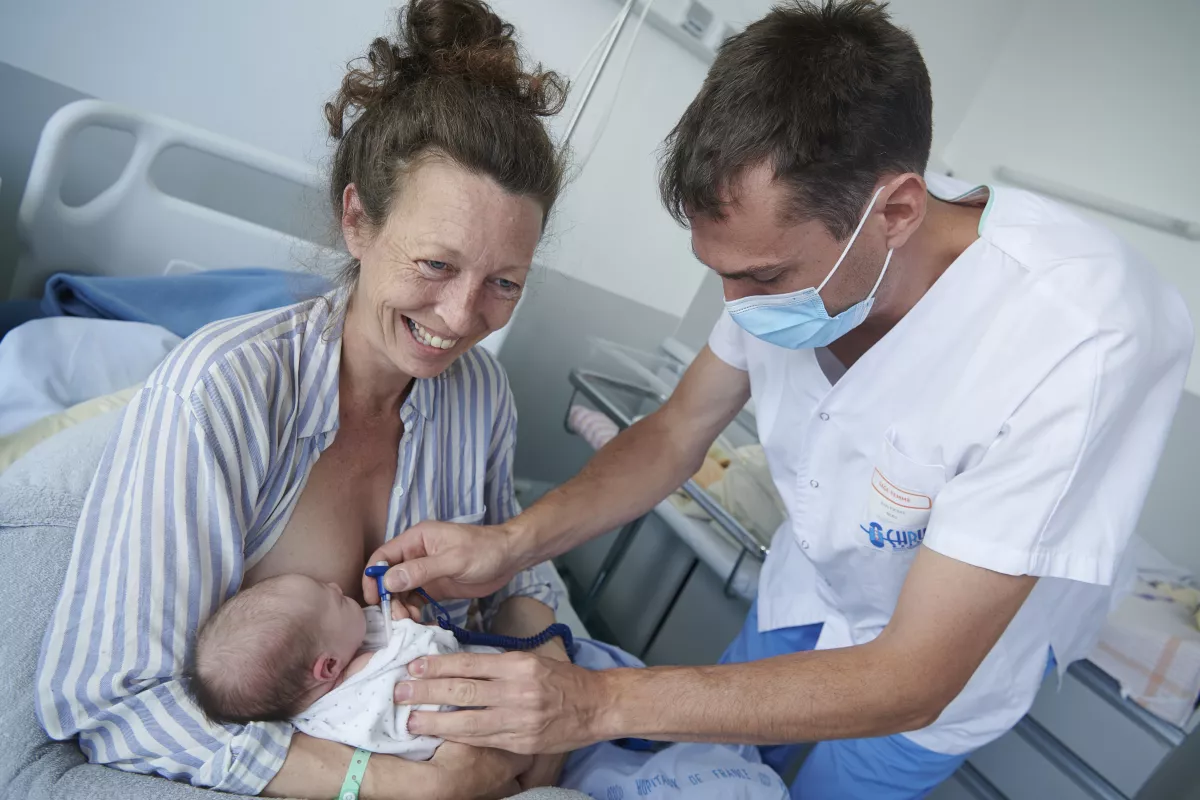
(40, 498)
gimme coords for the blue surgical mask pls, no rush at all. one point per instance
(799, 319)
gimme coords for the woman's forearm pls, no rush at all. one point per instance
(524, 616)
(315, 768)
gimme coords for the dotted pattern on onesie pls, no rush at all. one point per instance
(360, 711)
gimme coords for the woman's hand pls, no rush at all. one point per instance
(469, 772)
(546, 770)
(520, 702)
(446, 559)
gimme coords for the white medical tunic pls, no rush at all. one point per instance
(1011, 420)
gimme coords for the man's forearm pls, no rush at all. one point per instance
(851, 692)
(623, 481)
(949, 617)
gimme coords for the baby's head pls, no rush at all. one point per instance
(271, 650)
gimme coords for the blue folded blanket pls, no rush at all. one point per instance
(179, 303)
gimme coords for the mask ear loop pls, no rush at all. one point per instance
(882, 272)
(849, 244)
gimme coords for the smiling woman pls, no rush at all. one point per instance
(443, 181)
(429, 286)
(297, 441)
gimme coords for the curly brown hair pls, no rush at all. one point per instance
(452, 84)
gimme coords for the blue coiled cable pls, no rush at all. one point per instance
(464, 636)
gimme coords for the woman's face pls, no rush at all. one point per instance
(446, 268)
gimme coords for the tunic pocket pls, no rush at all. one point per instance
(900, 498)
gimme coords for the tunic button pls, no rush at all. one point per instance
(824, 417)
(804, 544)
(813, 484)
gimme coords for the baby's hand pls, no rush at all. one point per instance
(406, 605)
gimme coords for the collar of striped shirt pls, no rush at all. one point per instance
(325, 325)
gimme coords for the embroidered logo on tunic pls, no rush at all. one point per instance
(896, 539)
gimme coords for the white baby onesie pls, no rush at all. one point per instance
(360, 712)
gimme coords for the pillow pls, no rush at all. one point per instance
(49, 365)
(16, 445)
(40, 500)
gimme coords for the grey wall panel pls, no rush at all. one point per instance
(702, 314)
(28, 101)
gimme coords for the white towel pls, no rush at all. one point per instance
(1150, 643)
(1151, 646)
(594, 427)
(360, 712)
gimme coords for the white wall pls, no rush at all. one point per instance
(959, 41)
(260, 71)
(1101, 95)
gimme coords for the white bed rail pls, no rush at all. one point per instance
(132, 228)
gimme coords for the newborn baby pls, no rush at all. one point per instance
(292, 648)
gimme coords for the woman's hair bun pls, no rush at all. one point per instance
(445, 39)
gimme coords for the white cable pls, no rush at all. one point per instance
(607, 113)
(577, 75)
(609, 43)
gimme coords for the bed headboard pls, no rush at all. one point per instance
(133, 228)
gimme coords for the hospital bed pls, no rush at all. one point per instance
(134, 227)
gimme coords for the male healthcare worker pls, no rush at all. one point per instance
(962, 394)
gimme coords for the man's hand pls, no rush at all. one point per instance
(949, 617)
(447, 560)
(520, 702)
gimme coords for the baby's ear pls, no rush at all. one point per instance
(326, 668)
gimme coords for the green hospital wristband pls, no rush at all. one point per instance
(354, 775)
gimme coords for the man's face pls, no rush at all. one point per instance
(756, 253)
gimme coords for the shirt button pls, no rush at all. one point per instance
(813, 484)
(399, 490)
(804, 544)
(824, 417)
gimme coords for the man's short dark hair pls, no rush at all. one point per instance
(831, 95)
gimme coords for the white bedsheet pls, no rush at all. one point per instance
(49, 365)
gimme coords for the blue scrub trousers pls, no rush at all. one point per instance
(887, 768)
